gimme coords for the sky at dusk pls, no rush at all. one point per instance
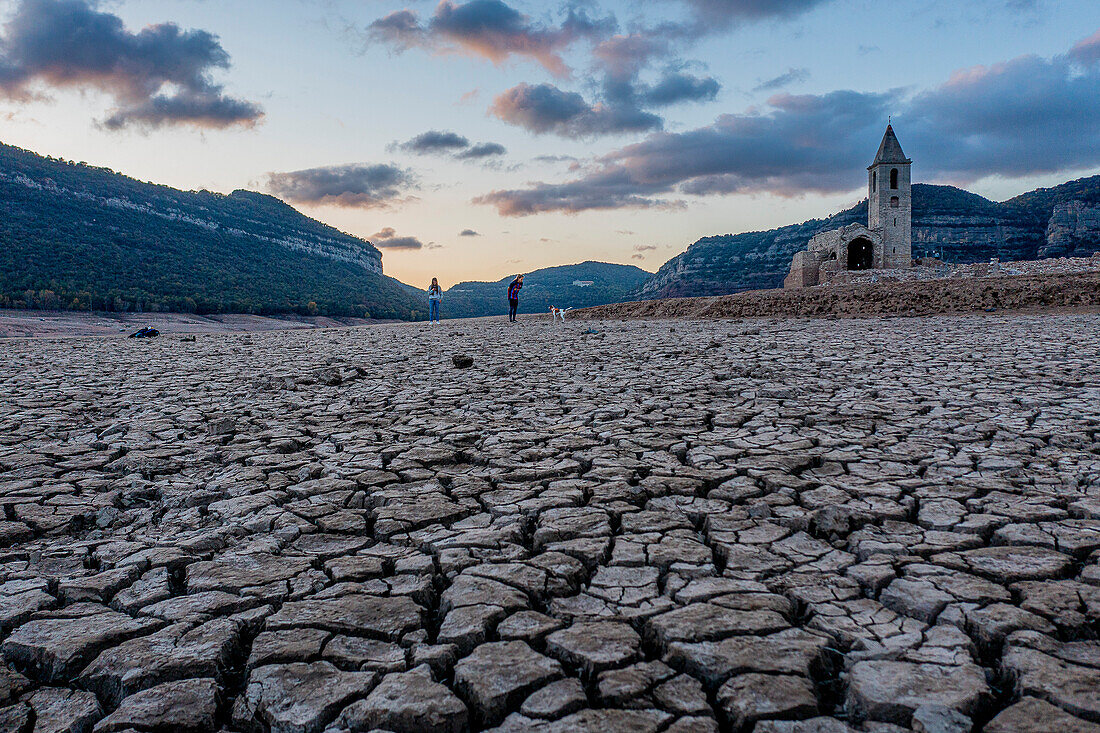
(472, 139)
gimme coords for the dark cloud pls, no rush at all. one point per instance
(495, 30)
(623, 102)
(350, 186)
(680, 87)
(468, 233)
(435, 141)
(1023, 117)
(644, 247)
(717, 15)
(791, 76)
(544, 108)
(400, 29)
(400, 243)
(705, 18)
(1087, 51)
(160, 75)
(539, 107)
(197, 109)
(491, 29)
(388, 239)
(637, 257)
(607, 189)
(805, 143)
(555, 158)
(482, 150)
(622, 60)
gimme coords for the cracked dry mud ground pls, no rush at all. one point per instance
(779, 526)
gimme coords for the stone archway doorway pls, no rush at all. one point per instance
(860, 254)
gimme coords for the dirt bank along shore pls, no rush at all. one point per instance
(1081, 290)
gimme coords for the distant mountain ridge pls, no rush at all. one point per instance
(960, 225)
(81, 237)
(601, 283)
(78, 237)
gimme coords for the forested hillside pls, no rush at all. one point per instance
(552, 286)
(78, 237)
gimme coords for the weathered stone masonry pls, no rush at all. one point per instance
(887, 240)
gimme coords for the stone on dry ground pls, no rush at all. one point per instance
(786, 526)
(408, 703)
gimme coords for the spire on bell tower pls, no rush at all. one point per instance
(890, 201)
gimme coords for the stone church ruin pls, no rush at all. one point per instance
(886, 243)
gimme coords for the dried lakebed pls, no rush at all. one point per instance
(778, 526)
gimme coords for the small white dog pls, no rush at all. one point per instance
(556, 313)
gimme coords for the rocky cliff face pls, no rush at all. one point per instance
(948, 222)
(731, 263)
(1073, 230)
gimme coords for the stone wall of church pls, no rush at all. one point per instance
(804, 270)
(893, 219)
(889, 226)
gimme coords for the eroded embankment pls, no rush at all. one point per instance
(915, 298)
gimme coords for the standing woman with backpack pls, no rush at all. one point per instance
(513, 297)
(435, 295)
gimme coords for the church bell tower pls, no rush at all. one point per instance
(890, 202)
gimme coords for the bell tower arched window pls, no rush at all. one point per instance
(893, 178)
(874, 181)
